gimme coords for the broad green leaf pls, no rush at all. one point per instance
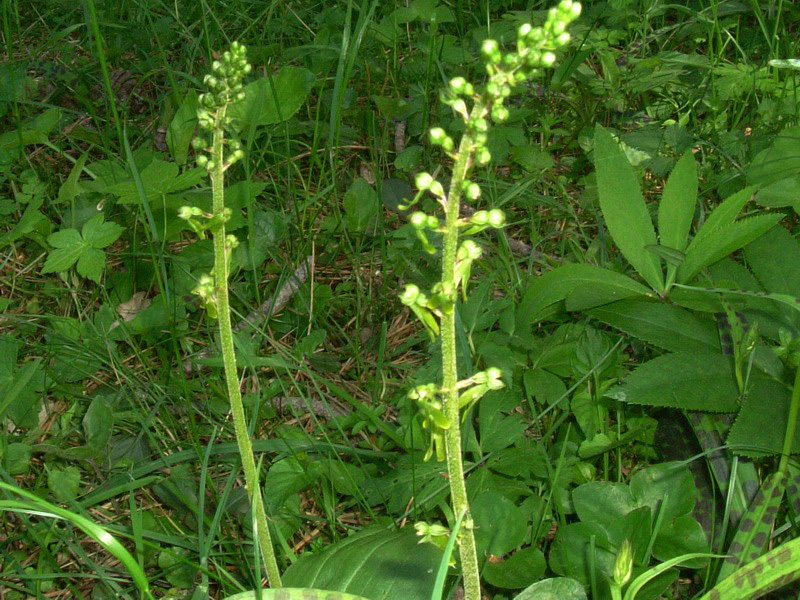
(603, 502)
(784, 192)
(158, 179)
(664, 325)
(678, 201)
(570, 554)
(681, 537)
(375, 563)
(270, 100)
(69, 246)
(774, 570)
(90, 264)
(500, 526)
(294, 594)
(17, 458)
(722, 242)
(64, 483)
(761, 425)
(555, 588)
(99, 234)
(774, 259)
(667, 488)
(361, 205)
(781, 159)
(555, 286)
(181, 129)
(682, 380)
(516, 571)
(752, 537)
(98, 423)
(177, 568)
(624, 210)
(723, 215)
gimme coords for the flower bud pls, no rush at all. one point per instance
(437, 189)
(472, 190)
(410, 294)
(423, 181)
(496, 218)
(418, 219)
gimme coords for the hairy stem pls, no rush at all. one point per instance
(455, 467)
(221, 263)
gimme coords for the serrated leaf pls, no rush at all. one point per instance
(100, 234)
(760, 426)
(682, 380)
(723, 215)
(624, 209)
(723, 242)
(664, 325)
(774, 258)
(558, 284)
(90, 264)
(61, 259)
(676, 209)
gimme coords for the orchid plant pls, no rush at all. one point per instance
(442, 404)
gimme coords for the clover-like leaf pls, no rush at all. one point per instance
(84, 248)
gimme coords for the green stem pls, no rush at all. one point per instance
(791, 425)
(229, 357)
(452, 436)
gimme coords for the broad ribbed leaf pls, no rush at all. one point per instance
(774, 259)
(760, 427)
(722, 242)
(375, 563)
(664, 325)
(274, 99)
(682, 380)
(555, 286)
(555, 588)
(724, 215)
(624, 210)
(676, 209)
(294, 594)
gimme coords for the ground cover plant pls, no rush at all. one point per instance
(241, 356)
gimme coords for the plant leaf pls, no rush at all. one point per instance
(374, 563)
(761, 424)
(722, 242)
(678, 201)
(270, 100)
(664, 325)
(682, 380)
(555, 286)
(774, 570)
(753, 534)
(99, 234)
(723, 216)
(555, 588)
(624, 210)
(773, 258)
